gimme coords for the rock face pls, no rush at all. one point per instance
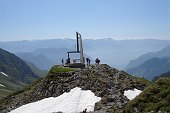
(106, 82)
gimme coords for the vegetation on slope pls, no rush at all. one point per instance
(155, 98)
(14, 73)
(10, 85)
(60, 69)
(104, 81)
(15, 67)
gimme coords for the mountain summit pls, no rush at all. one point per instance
(104, 81)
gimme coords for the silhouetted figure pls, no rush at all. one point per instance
(62, 62)
(84, 60)
(68, 61)
(97, 61)
(85, 111)
(88, 61)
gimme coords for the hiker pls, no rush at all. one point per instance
(87, 60)
(62, 62)
(68, 61)
(97, 61)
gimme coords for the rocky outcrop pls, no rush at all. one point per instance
(106, 82)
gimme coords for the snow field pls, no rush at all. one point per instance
(131, 94)
(74, 101)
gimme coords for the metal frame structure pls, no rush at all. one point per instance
(79, 50)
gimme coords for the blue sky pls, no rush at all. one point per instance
(117, 19)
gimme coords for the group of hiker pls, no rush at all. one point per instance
(97, 61)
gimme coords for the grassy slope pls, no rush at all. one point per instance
(60, 69)
(10, 85)
(155, 97)
(54, 69)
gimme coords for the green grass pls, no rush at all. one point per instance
(60, 69)
(155, 97)
(27, 88)
(54, 70)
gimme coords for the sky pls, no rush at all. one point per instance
(94, 19)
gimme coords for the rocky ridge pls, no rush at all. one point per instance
(106, 82)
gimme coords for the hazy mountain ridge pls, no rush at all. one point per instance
(164, 52)
(113, 52)
(151, 64)
(45, 58)
(36, 70)
(151, 68)
(40, 60)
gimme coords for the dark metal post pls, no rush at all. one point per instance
(68, 55)
(77, 35)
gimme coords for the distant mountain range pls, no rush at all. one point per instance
(36, 70)
(116, 53)
(40, 60)
(141, 59)
(14, 73)
(151, 64)
(45, 58)
(151, 68)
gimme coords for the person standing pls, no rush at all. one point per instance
(87, 60)
(97, 61)
(62, 61)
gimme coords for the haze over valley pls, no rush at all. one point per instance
(84, 56)
(117, 53)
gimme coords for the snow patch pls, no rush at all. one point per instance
(131, 94)
(2, 85)
(74, 101)
(4, 74)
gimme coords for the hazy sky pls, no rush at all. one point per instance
(117, 19)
